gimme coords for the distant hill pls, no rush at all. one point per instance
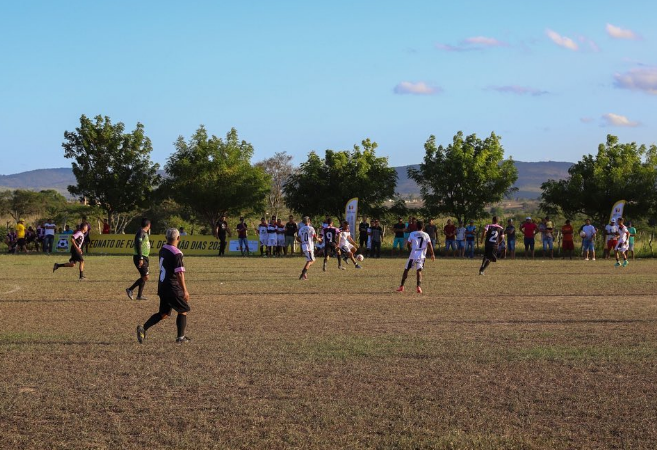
(530, 177)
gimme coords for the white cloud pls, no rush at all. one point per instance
(562, 41)
(518, 90)
(483, 42)
(616, 120)
(642, 79)
(621, 33)
(419, 88)
(586, 119)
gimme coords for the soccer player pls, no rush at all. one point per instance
(272, 238)
(171, 289)
(77, 240)
(142, 249)
(306, 237)
(330, 239)
(264, 236)
(347, 245)
(491, 234)
(623, 243)
(420, 242)
(280, 237)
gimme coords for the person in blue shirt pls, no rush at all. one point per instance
(470, 235)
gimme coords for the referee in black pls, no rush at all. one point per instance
(171, 289)
(142, 249)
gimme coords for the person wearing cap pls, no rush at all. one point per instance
(20, 237)
(529, 229)
(611, 237)
(242, 229)
(470, 235)
(510, 232)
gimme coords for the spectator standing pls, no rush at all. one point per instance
(242, 229)
(291, 229)
(182, 231)
(632, 231)
(470, 236)
(432, 230)
(48, 235)
(588, 240)
(41, 236)
(376, 235)
(67, 230)
(611, 238)
(460, 239)
(449, 231)
(221, 230)
(362, 233)
(567, 241)
(529, 230)
(106, 227)
(263, 234)
(547, 233)
(21, 244)
(510, 232)
(399, 228)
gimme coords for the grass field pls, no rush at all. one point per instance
(536, 354)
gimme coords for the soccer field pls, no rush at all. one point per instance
(535, 354)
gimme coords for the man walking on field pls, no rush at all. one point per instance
(142, 249)
(306, 237)
(171, 289)
(419, 242)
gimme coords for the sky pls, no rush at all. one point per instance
(551, 78)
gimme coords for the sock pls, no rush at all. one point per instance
(135, 284)
(404, 278)
(304, 271)
(81, 274)
(155, 318)
(181, 323)
(142, 283)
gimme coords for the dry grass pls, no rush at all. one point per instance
(544, 354)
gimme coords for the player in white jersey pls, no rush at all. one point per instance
(280, 237)
(623, 243)
(306, 236)
(419, 242)
(347, 245)
(262, 233)
(272, 238)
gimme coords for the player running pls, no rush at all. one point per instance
(623, 244)
(330, 239)
(76, 251)
(171, 289)
(306, 236)
(348, 247)
(142, 249)
(419, 242)
(491, 234)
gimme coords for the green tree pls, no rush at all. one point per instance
(461, 179)
(323, 186)
(617, 172)
(279, 168)
(212, 176)
(112, 168)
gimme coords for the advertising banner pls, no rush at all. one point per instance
(617, 210)
(351, 214)
(122, 244)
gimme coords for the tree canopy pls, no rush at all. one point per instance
(324, 185)
(279, 168)
(112, 168)
(617, 172)
(212, 176)
(461, 179)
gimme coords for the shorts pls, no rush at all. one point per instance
(511, 244)
(490, 252)
(611, 244)
(289, 241)
(75, 256)
(272, 240)
(21, 242)
(631, 246)
(263, 240)
(568, 245)
(450, 243)
(143, 270)
(587, 245)
(309, 254)
(171, 301)
(548, 242)
(622, 246)
(417, 262)
(398, 241)
(460, 245)
(529, 243)
(347, 248)
(280, 240)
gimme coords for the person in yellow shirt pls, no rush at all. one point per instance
(20, 236)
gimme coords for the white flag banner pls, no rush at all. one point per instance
(617, 210)
(351, 214)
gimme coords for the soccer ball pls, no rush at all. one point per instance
(359, 257)
(582, 234)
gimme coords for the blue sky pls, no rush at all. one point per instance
(552, 78)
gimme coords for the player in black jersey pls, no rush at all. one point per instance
(77, 241)
(330, 236)
(171, 289)
(491, 234)
(142, 249)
